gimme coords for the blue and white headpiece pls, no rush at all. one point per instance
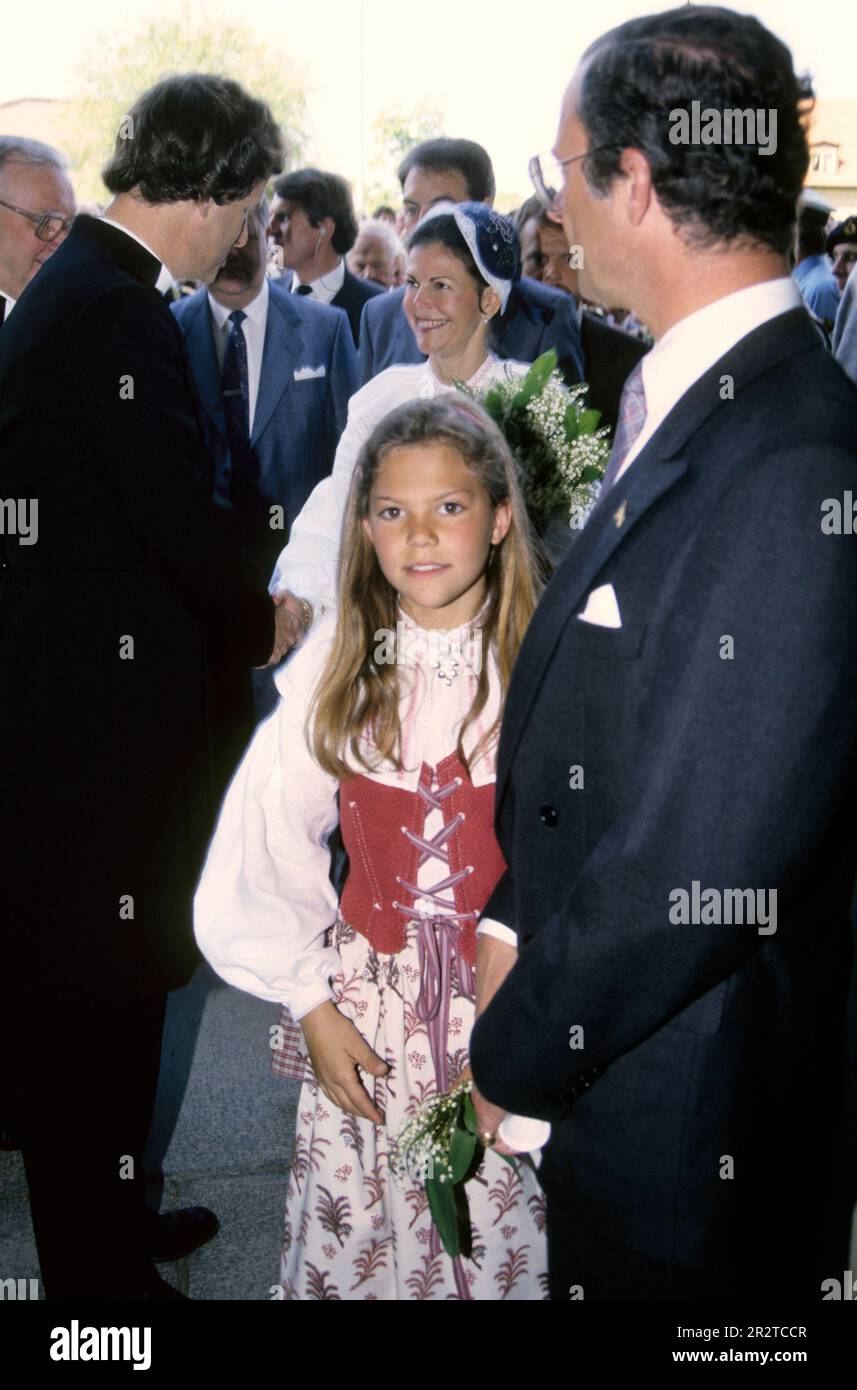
(492, 242)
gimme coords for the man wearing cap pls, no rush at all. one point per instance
(812, 267)
(842, 248)
(845, 329)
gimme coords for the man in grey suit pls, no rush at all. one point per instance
(301, 371)
(274, 373)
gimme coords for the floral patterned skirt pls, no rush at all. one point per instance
(350, 1231)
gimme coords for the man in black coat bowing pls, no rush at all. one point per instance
(128, 613)
(662, 969)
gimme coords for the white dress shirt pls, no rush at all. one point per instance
(254, 336)
(165, 276)
(308, 564)
(8, 304)
(674, 364)
(695, 343)
(326, 287)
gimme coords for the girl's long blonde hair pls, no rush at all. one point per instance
(355, 696)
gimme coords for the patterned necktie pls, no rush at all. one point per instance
(632, 417)
(235, 385)
(304, 289)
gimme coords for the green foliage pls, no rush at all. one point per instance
(556, 443)
(117, 70)
(395, 132)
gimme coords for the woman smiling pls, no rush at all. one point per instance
(463, 259)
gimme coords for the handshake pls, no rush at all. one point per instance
(292, 619)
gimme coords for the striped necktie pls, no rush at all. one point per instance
(235, 385)
(632, 418)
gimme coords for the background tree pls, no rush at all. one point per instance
(115, 73)
(395, 132)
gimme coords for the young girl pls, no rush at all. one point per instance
(394, 704)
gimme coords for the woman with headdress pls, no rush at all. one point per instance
(463, 259)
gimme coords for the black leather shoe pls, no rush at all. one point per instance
(174, 1234)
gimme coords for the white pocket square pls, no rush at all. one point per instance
(309, 373)
(602, 608)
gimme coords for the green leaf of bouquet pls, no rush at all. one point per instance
(461, 1150)
(441, 1200)
(468, 1115)
(591, 473)
(571, 422)
(534, 382)
(588, 422)
(492, 401)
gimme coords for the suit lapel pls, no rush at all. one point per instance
(199, 336)
(610, 524)
(661, 464)
(280, 356)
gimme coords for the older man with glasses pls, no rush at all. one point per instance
(36, 211)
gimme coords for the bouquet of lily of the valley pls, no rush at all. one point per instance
(440, 1146)
(558, 446)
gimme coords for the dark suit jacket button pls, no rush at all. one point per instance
(548, 815)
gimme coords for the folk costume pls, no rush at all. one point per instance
(397, 957)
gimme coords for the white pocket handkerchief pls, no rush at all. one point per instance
(602, 608)
(309, 373)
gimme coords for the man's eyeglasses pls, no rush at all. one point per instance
(546, 174)
(48, 224)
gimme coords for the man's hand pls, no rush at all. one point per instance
(289, 629)
(485, 1113)
(336, 1049)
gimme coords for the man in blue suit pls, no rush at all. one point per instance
(536, 318)
(274, 387)
(662, 969)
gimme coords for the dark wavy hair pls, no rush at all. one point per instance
(322, 195)
(464, 157)
(193, 137)
(639, 72)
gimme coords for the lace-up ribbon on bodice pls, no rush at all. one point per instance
(384, 830)
(439, 929)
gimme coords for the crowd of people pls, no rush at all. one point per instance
(246, 427)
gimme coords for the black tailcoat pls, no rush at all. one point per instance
(126, 629)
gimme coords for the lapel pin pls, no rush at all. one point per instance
(620, 514)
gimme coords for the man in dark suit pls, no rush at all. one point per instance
(36, 210)
(535, 318)
(662, 969)
(609, 355)
(127, 605)
(312, 229)
(301, 371)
